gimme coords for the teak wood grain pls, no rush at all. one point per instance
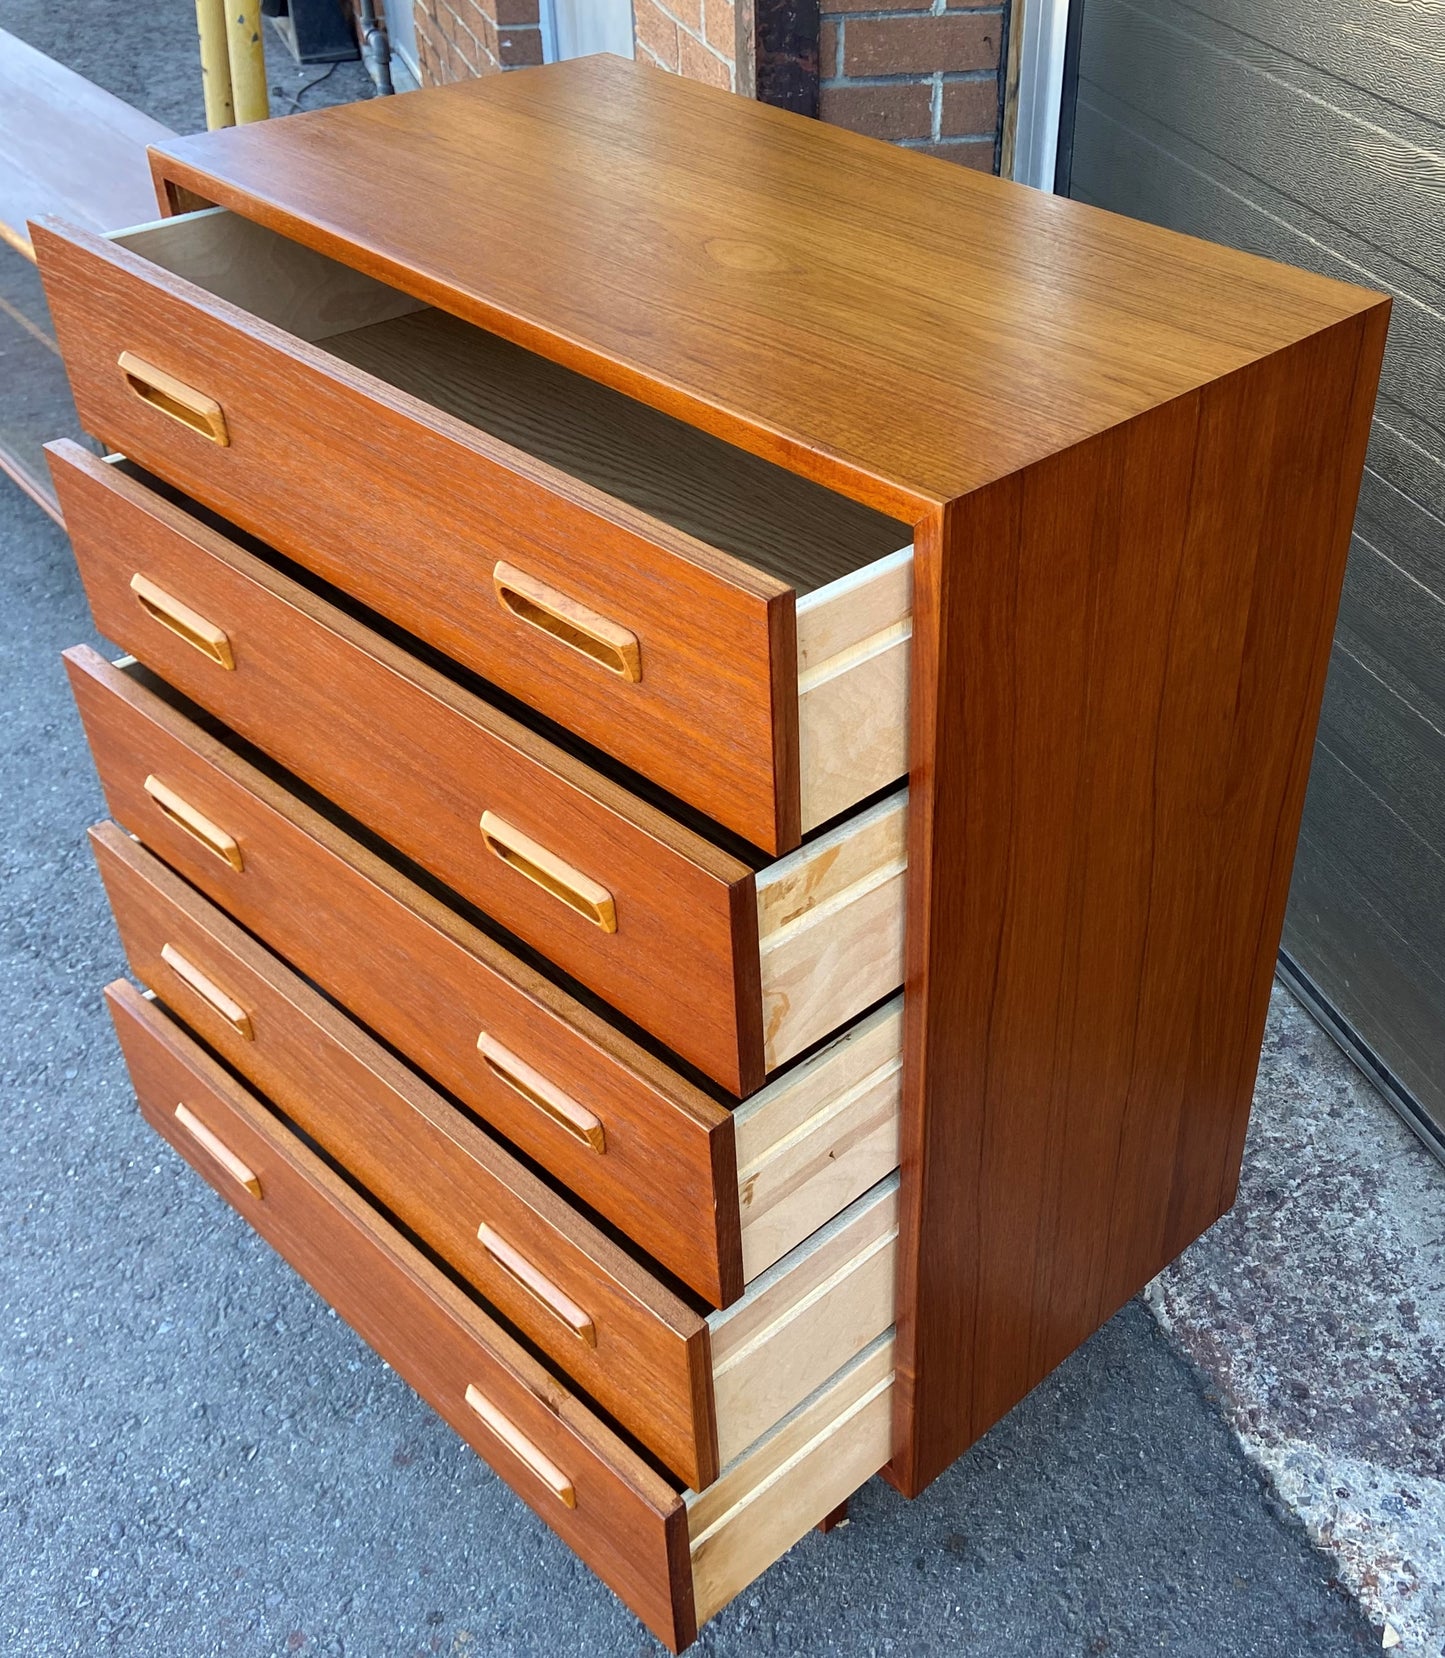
(429, 982)
(1129, 459)
(420, 760)
(645, 1354)
(624, 1520)
(734, 971)
(414, 519)
(70, 147)
(1119, 658)
(695, 1392)
(803, 534)
(776, 281)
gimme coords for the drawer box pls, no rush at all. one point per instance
(673, 1557)
(734, 970)
(625, 1131)
(735, 633)
(693, 1389)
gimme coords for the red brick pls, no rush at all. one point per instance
(449, 24)
(519, 48)
(832, 7)
(976, 153)
(898, 109)
(469, 50)
(920, 45)
(828, 38)
(656, 31)
(969, 107)
(721, 32)
(686, 12)
(699, 64)
(972, 5)
(507, 12)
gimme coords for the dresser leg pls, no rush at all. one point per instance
(839, 1517)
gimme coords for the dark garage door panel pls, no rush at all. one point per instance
(1314, 131)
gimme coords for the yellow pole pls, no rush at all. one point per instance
(215, 63)
(248, 60)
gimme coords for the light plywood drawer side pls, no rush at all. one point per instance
(733, 632)
(674, 1556)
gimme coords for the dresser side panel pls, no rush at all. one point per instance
(1119, 660)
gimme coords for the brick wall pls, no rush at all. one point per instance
(457, 39)
(923, 73)
(696, 38)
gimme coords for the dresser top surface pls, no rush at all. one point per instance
(897, 327)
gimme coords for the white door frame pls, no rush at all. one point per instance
(610, 29)
(1045, 25)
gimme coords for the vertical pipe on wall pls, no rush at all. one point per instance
(375, 48)
(248, 60)
(215, 63)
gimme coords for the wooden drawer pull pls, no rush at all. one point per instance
(182, 621)
(516, 1265)
(210, 993)
(522, 1448)
(217, 1150)
(546, 1096)
(174, 397)
(569, 623)
(547, 871)
(185, 816)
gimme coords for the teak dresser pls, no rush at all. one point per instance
(714, 732)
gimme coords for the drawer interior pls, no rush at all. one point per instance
(793, 529)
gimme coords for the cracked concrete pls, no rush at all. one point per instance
(1316, 1310)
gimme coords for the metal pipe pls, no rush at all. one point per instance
(215, 63)
(248, 60)
(375, 49)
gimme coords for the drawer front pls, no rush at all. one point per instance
(601, 1499)
(622, 1130)
(636, 1348)
(653, 918)
(413, 511)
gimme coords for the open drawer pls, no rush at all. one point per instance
(675, 1557)
(627, 1132)
(734, 962)
(695, 1389)
(733, 632)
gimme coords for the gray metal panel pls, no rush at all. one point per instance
(1313, 131)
